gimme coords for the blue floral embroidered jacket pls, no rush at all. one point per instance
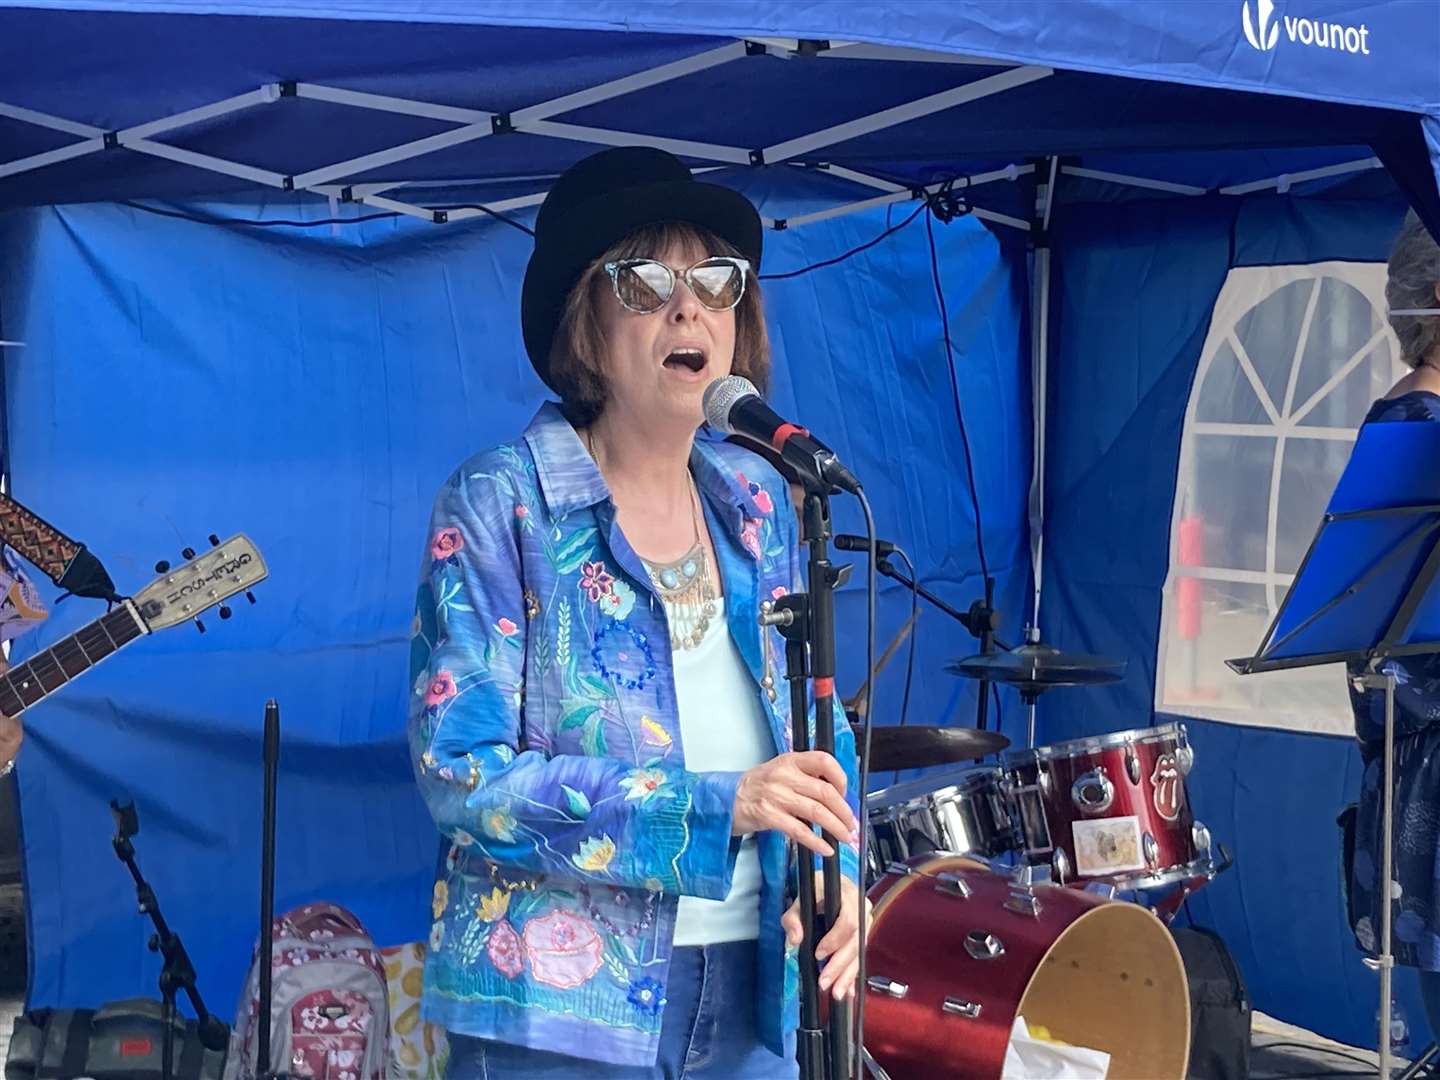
(546, 740)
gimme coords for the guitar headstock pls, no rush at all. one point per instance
(226, 570)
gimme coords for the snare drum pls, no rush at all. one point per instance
(956, 951)
(1111, 808)
(962, 811)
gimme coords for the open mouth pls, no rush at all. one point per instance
(691, 360)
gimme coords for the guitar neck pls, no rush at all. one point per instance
(45, 672)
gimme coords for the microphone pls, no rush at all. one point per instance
(734, 407)
(850, 542)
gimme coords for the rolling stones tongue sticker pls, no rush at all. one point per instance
(1166, 782)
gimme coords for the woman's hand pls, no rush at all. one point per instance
(791, 792)
(11, 733)
(839, 950)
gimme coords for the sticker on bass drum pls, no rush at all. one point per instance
(1106, 846)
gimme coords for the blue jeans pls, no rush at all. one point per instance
(707, 1032)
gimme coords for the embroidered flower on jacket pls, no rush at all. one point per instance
(750, 536)
(440, 689)
(504, 950)
(758, 495)
(521, 511)
(619, 601)
(461, 837)
(647, 995)
(499, 823)
(441, 900)
(447, 543)
(653, 734)
(622, 652)
(595, 854)
(494, 907)
(594, 581)
(437, 937)
(647, 784)
(507, 627)
(563, 949)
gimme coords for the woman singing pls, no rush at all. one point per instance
(600, 725)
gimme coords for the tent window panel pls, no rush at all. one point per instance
(1231, 496)
(1227, 396)
(1308, 476)
(1292, 361)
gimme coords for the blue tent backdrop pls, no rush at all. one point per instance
(311, 386)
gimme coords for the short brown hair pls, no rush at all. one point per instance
(577, 357)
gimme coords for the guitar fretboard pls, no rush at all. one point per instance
(47, 671)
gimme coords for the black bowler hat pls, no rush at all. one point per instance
(603, 199)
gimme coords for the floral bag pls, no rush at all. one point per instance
(329, 1006)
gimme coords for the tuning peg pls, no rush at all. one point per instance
(199, 626)
(214, 540)
(189, 553)
(225, 611)
(162, 567)
(249, 596)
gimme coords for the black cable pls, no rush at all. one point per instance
(224, 222)
(853, 251)
(910, 658)
(955, 390)
(862, 852)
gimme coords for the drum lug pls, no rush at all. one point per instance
(952, 884)
(1092, 793)
(1132, 764)
(1200, 836)
(1060, 866)
(1042, 778)
(1023, 902)
(983, 945)
(960, 1007)
(899, 868)
(1027, 876)
(889, 987)
(1184, 755)
(1152, 851)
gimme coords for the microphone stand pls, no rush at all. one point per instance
(981, 621)
(263, 1070)
(177, 973)
(807, 622)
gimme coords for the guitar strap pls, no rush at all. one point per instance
(67, 563)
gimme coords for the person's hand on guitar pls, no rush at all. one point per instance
(11, 733)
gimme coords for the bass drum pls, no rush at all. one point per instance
(956, 951)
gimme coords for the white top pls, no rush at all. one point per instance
(723, 729)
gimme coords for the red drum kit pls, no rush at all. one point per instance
(1037, 889)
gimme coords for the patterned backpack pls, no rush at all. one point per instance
(330, 1014)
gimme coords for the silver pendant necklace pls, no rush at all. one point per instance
(684, 586)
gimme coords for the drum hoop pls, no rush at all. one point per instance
(881, 905)
(1205, 866)
(1091, 743)
(991, 772)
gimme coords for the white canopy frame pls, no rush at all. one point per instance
(474, 124)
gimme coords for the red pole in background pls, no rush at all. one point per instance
(1189, 595)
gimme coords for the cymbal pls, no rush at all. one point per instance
(1035, 667)
(918, 747)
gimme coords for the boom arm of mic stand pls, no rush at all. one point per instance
(970, 620)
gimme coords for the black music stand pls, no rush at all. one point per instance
(1364, 594)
